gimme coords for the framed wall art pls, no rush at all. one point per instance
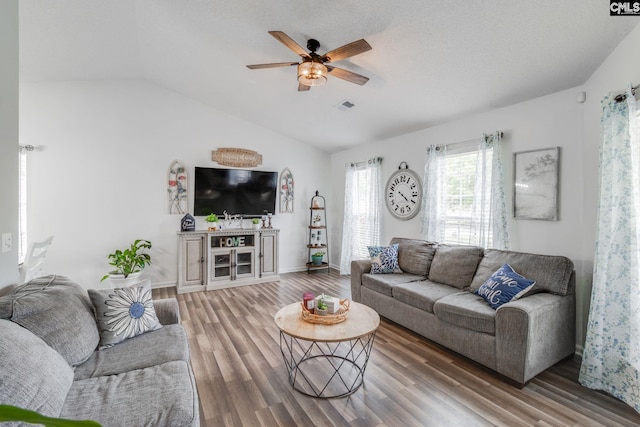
(535, 184)
(176, 188)
(286, 191)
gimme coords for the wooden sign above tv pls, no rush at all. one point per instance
(236, 157)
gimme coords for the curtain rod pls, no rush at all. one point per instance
(371, 160)
(469, 140)
(623, 96)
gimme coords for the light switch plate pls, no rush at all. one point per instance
(6, 242)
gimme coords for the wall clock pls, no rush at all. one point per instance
(403, 193)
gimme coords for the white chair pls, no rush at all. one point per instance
(33, 265)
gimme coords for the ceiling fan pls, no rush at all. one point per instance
(312, 71)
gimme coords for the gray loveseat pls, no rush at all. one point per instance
(434, 297)
(50, 362)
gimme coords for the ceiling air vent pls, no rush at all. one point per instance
(345, 105)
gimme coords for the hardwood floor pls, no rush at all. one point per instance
(410, 381)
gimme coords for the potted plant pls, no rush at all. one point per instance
(212, 221)
(316, 257)
(321, 308)
(129, 262)
(256, 223)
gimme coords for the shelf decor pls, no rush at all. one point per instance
(177, 188)
(318, 238)
(535, 187)
(236, 157)
(286, 191)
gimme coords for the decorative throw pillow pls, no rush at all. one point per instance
(384, 259)
(124, 313)
(503, 286)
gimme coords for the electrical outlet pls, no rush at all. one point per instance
(6, 242)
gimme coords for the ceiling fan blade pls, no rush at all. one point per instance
(347, 75)
(288, 42)
(273, 65)
(346, 51)
(302, 88)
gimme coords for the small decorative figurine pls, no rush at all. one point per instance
(188, 223)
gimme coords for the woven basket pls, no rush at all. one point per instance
(329, 319)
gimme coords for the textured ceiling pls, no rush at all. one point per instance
(431, 61)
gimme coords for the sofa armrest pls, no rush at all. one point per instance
(534, 333)
(167, 311)
(358, 268)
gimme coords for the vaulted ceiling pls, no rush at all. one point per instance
(432, 61)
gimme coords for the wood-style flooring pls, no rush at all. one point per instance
(409, 381)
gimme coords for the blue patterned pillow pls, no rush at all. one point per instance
(384, 259)
(503, 286)
(124, 313)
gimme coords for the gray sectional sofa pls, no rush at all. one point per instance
(434, 296)
(50, 362)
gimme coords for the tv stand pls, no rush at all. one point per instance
(210, 260)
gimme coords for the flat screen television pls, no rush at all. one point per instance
(237, 191)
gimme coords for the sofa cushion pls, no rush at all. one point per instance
(551, 273)
(455, 265)
(32, 374)
(162, 395)
(384, 259)
(414, 256)
(155, 348)
(503, 286)
(124, 313)
(57, 310)
(468, 311)
(384, 283)
(422, 294)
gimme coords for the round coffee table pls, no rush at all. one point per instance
(326, 361)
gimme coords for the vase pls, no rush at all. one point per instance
(119, 281)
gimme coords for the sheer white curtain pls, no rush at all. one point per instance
(611, 358)
(433, 198)
(362, 205)
(22, 203)
(489, 212)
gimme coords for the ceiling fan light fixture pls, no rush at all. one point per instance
(312, 73)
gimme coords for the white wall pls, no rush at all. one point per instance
(545, 122)
(554, 120)
(9, 137)
(98, 179)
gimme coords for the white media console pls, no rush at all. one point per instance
(228, 258)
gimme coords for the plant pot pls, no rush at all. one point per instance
(316, 260)
(321, 312)
(256, 226)
(119, 281)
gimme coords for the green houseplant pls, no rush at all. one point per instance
(211, 222)
(14, 413)
(129, 261)
(316, 257)
(256, 223)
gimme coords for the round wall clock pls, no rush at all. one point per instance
(403, 193)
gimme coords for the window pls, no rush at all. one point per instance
(362, 201)
(460, 182)
(22, 204)
(464, 200)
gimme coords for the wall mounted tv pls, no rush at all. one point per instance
(237, 191)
